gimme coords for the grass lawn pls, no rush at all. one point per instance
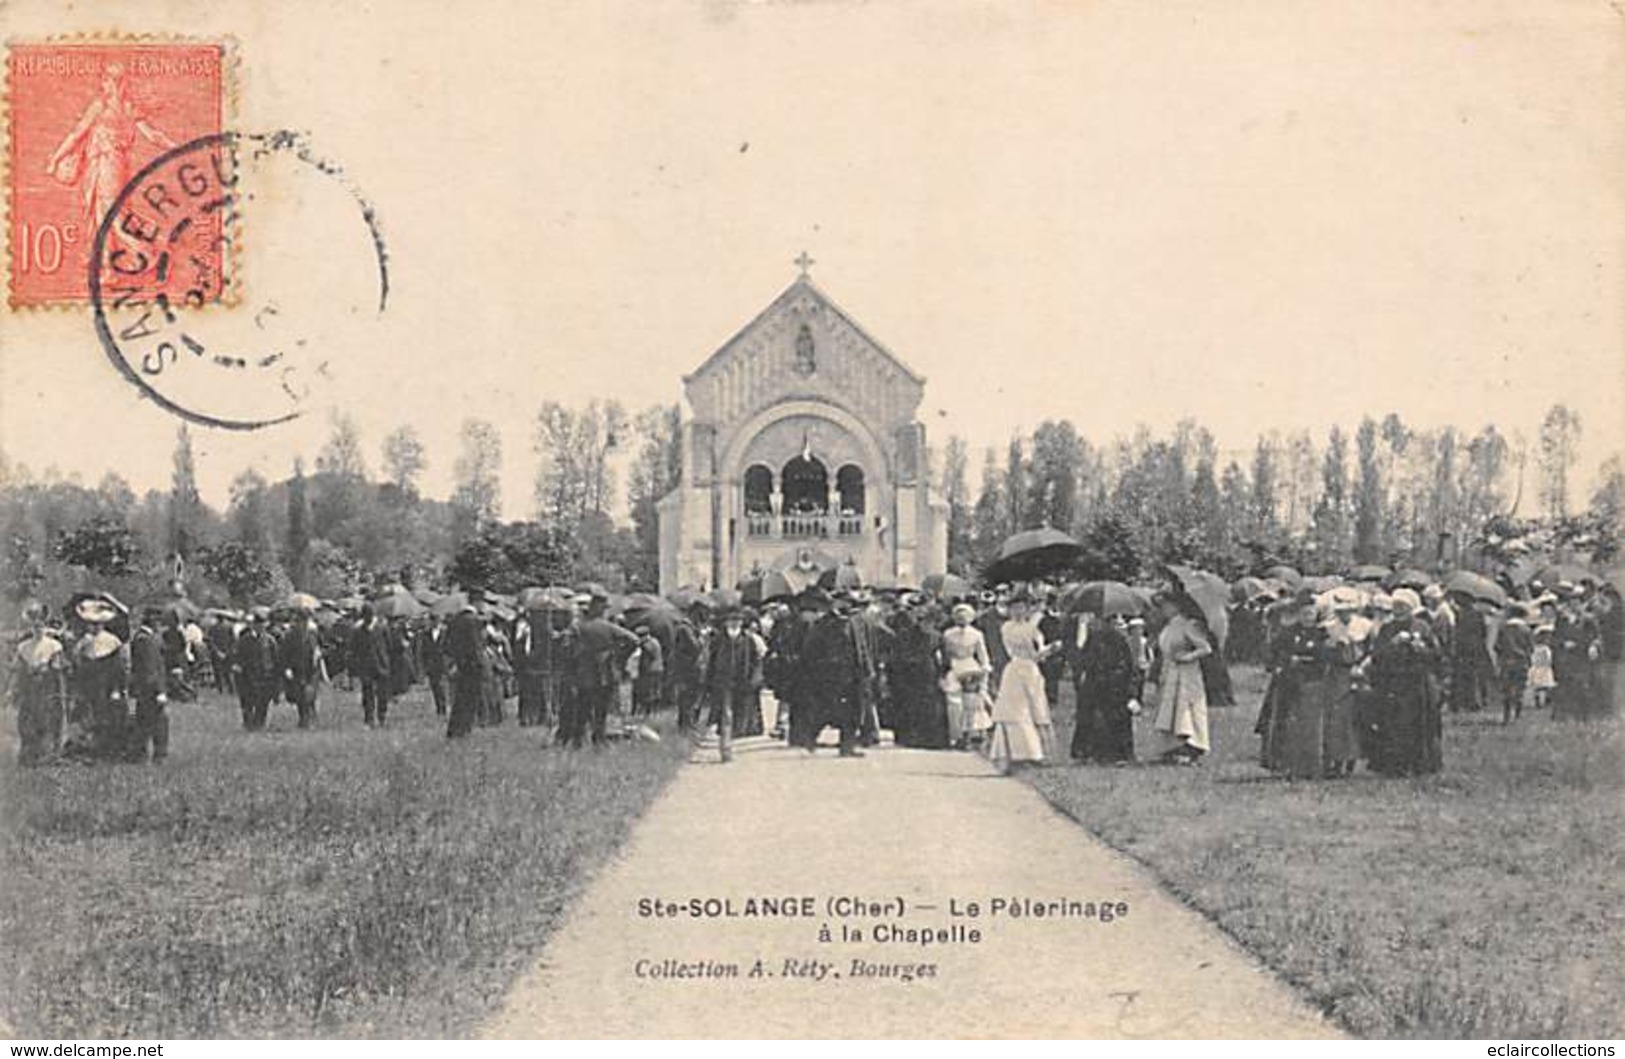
(338, 882)
(1485, 902)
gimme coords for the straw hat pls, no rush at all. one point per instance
(94, 610)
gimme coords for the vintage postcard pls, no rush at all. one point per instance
(797, 520)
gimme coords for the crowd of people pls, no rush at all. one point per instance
(1367, 675)
(1355, 673)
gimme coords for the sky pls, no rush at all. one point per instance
(1260, 215)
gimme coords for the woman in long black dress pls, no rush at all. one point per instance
(1403, 672)
(916, 676)
(1107, 680)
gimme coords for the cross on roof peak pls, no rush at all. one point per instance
(804, 262)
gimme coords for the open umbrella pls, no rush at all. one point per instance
(449, 604)
(687, 597)
(398, 604)
(553, 597)
(766, 587)
(1250, 588)
(1285, 574)
(841, 578)
(1210, 592)
(1032, 554)
(946, 586)
(725, 599)
(645, 603)
(1477, 586)
(1105, 598)
(300, 601)
(178, 607)
(1410, 577)
(1370, 573)
(1554, 574)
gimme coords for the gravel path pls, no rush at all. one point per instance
(904, 828)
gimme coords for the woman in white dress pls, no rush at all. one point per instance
(1022, 732)
(1181, 721)
(964, 685)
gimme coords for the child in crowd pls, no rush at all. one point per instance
(1541, 677)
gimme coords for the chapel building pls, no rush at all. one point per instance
(802, 450)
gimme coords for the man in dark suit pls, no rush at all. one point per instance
(832, 676)
(433, 646)
(683, 669)
(369, 663)
(732, 677)
(149, 685)
(464, 647)
(301, 659)
(601, 650)
(254, 671)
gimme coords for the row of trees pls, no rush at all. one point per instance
(1391, 493)
(334, 528)
(1388, 493)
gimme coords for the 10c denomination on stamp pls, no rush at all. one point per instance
(83, 117)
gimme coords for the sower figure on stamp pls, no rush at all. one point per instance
(149, 687)
(96, 154)
(732, 677)
(254, 668)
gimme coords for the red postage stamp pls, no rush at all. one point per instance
(85, 117)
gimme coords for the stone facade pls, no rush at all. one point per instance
(801, 447)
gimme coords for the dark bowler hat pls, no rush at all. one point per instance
(814, 598)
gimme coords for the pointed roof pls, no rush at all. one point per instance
(805, 283)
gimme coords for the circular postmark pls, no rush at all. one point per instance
(177, 316)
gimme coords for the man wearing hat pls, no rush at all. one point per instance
(732, 676)
(1470, 659)
(39, 687)
(831, 679)
(873, 640)
(601, 651)
(782, 668)
(253, 664)
(149, 687)
(465, 653)
(991, 623)
(1514, 653)
(369, 657)
(683, 668)
(301, 659)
